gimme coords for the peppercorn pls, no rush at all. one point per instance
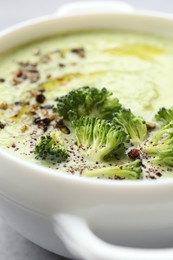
(134, 154)
(40, 98)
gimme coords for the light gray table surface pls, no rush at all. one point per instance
(12, 245)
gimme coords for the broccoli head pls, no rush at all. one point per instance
(51, 147)
(134, 126)
(98, 138)
(164, 115)
(160, 145)
(129, 171)
(87, 101)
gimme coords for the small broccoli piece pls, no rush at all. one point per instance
(160, 145)
(134, 126)
(51, 147)
(87, 101)
(164, 115)
(109, 107)
(97, 137)
(129, 171)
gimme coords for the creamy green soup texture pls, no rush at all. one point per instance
(137, 68)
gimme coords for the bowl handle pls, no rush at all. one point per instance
(89, 7)
(84, 244)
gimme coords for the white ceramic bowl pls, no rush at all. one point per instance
(40, 203)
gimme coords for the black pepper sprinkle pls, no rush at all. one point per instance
(23, 63)
(158, 174)
(44, 123)
(19, 73)
(42, 90)
(40, 98)
(18, 103)
(79, 51)
(2, 125)
(37, 120)
(61, 65)
(2, 80)
(152, 177)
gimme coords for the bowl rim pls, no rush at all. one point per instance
(58, 175)
(61, 175)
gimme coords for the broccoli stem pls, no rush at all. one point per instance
(107, 172)
(99, 154)
(151, 149)
(162, 161)
(130, 171)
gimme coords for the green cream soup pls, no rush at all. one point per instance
(137, 68)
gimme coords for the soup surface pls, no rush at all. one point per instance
(137, 68)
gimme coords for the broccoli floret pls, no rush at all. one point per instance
(51, 147)
(108, 108)
(160, 145)
(97, 137)
(164, 115)
(134, 126)
(129, 171)
(87, 101)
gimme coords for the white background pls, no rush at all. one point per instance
(12, 245)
